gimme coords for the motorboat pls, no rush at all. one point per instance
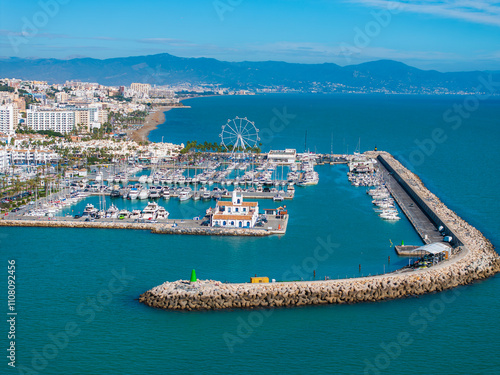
(389, 216)
(278, 198)
(154, 192)
(162, 213)
(184, 195)
(149, 213)
(135, 214)
(143, 194)
(133, 193)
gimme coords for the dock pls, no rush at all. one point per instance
(425, 227)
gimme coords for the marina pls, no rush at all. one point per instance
(471, 258)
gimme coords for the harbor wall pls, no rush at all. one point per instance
(435, 218)
(475, 260)
(213, 295)
(154, 228)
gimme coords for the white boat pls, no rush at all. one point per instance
(196, 196)
(162, 213)
(207, 195)
(184, 195)
(309, 178)
(89, 210)
(389, 216)
(143, 179)
(154, 192)
(136, 214)
(278, 198)
(143, 194)
(149, 213)
(133, 193)
(112, 212)
(166, 194)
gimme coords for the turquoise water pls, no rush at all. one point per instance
(69, 277)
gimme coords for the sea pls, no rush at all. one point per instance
(77, 289)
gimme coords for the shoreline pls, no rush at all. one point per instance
(151, 123)
(157, 117)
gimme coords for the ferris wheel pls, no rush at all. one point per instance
(239, 134)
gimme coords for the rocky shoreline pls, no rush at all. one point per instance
(476, 260)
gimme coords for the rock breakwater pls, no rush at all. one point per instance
(475, 260)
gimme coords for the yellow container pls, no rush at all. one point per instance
(255, 280)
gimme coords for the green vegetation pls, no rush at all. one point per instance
(23, 129)
(7, 88)
(50, 133)
(194, 146)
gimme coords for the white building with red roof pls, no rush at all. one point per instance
(235, 214)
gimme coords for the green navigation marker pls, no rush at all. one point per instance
(193, 276)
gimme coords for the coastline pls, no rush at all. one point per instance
(151, 123)
(156, 118)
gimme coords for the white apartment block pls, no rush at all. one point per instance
(18, 156)
(59, 121)
(4, 160)
(9, 117)
(143, 88)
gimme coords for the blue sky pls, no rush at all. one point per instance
(430, 34)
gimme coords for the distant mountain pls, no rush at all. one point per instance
(164, 69)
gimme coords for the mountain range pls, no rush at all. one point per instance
(166, 69)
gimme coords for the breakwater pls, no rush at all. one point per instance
(153, 227)
(474, 259)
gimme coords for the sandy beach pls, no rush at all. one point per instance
(152, 121)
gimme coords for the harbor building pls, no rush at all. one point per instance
(235, 214)
(286, 156)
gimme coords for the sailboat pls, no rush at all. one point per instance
(196, 195)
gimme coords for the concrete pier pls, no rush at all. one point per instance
(179, 226)
(424, 226)
(473, 258)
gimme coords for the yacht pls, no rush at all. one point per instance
(143, 179)
(143, 194)
(89, 210)
(112, 212)
(162, 213)
(184, 195)
(149, 213)
(389, 216)
(133, 193)
(207, 195)
(136, 214)
(309, 178)
(166, 194)
(115, 193)
(154, 192)
(278, 198)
